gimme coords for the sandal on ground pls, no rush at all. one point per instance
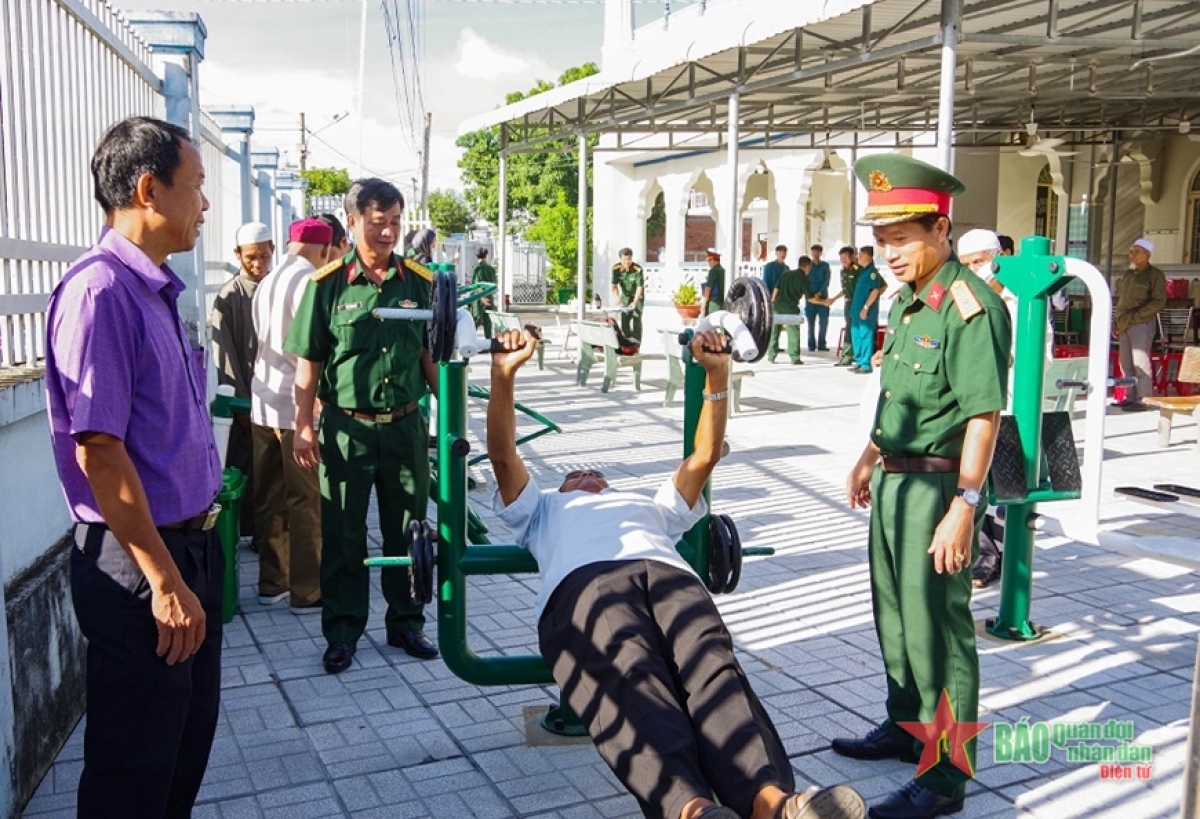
(838, 802)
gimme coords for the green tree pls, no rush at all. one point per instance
(449, 212)
(556, 226)
(327, 181)
(534, 179)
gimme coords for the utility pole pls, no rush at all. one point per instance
(303, 145)
(413, 202)
(425, 160)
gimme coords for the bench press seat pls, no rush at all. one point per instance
(593, 334)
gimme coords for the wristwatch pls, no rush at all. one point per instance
(971, 496)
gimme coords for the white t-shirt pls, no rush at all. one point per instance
(275, 303)
(564, 531)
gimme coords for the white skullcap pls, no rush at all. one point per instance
(252, 233)
(712, 251)
(1145, 244)
(978, 241)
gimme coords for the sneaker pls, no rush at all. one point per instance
(272, 599)
(797, 361)
(314, 607)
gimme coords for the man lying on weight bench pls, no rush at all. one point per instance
(631, 634)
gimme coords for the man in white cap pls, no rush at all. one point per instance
(1141, 294)
(235, 344)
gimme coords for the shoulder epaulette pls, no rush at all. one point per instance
(327, 270)
(418, 268)
(966, 301)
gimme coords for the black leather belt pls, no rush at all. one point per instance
(380, 417)
(201, 522)
(921, 463)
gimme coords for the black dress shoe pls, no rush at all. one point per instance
(878, 744)
(338, 656)
(914, 801)
(415, 644)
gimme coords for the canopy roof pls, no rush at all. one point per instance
(826, 73)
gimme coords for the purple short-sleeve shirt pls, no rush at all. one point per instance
(118, 361)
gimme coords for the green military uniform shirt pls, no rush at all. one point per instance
(715, 282)
(792, 286)
(945, 360)
(627, 283)
(849, 282)
(369, 364)
(483, 273)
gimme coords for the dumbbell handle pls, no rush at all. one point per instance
(496, 347)
(685, 340)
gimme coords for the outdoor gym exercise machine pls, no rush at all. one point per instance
(1035, 459)
(712, 547)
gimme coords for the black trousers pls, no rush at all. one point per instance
(642, 656)
(150, 725)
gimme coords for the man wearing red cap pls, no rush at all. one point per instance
(944, 382)
(286, 498)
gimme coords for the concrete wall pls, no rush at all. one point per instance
(1166, 218)
(32, 510)
(41, 649)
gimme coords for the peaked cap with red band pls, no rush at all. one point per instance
(900, 188)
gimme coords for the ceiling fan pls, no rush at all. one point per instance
(1036, 146)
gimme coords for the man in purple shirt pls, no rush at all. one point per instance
(135, 453)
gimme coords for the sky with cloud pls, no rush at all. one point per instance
(284, 58)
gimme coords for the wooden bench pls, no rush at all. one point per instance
(670, 341)
(502, 322)
(593, 334)
(1170, 406)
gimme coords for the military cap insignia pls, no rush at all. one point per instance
(879, 182)
(418, 268)
(327, 270)
(966, 302)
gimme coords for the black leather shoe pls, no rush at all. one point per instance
(915, 801)
(337, 657)
(415, 644)
(878, 744)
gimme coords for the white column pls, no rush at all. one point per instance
(676, 192)
(501, 243)
(735, 193)
(581, 227)
(177, 40)
(951, 20)
(237, 124)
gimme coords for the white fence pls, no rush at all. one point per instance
(68, 69)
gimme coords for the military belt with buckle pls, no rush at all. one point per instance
(380, 417)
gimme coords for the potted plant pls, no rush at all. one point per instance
(561, 282)
(687, 301)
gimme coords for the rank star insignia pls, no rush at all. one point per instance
(945, 735)
(879, 182)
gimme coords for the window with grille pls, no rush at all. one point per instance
(1045, 221)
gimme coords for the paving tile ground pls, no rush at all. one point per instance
(396, 737)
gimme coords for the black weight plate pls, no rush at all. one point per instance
(442, 327)
(718, 556)
(735, 554)
(749, 300)
(421, 571)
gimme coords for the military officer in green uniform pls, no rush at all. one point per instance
(369, 375)
(712, 292)
(483, 273)
(849, 281)
(944, 382)
(790, 287)
(629, 289)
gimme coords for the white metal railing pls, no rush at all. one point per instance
(71, 69)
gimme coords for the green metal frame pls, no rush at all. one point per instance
(547, 426)
(1032, 277)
